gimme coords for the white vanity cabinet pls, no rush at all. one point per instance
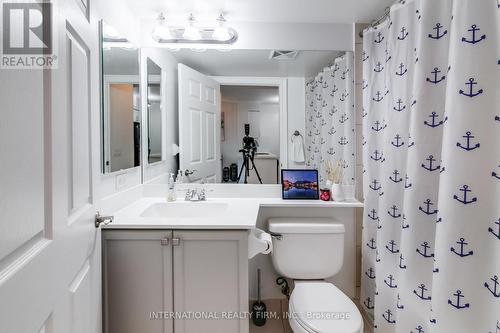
(182, 272)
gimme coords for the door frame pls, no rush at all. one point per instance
(282, 85)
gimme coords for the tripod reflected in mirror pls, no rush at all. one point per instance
(248, 152)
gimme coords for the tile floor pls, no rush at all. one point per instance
(279, 324)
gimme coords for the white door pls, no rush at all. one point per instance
(199, 126)
(49, 248)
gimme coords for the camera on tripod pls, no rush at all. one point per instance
(248, 152)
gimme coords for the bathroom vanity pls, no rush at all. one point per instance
(178, 266)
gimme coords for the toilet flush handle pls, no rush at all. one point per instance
(276, 236)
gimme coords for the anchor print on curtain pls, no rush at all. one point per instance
(330, 119)
(431, 229)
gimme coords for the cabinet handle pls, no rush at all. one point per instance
(176, 241)
(164, 241)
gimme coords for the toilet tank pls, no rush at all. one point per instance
(307, 248)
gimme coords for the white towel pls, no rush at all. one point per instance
(298, 149)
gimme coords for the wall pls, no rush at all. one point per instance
(281, 36)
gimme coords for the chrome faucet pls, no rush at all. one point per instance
(194, 195)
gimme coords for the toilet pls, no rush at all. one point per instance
(308, 250)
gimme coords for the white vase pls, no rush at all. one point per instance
(338, 192)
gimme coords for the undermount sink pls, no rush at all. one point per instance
(183, 209)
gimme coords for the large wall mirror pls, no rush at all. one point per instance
(244, 115)
(154, 114)
(121, 102)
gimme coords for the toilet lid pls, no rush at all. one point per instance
(321, 307)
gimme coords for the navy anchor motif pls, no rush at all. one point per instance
(402, 70)
(377, 127)
(465, 190)
(379, 39)
(468, 135)
(398, 304)
(430, 166)
(373, 215)
(380, 96)
(368, 303)
(399, 108)
(377, 156)
(370, 273)
(423, 253)
(375, 187)
(378, 67)
(404, 34)
(435, 80)
(428, 209)
(398, 142)
(462, 253)
(343, 141)
(390, 281)
(457, 305)
(393, 212)
(473, 29)
(497, 234)
(421, 293)
(372, 244)
(343, 118)
(388, 317)
(471, 84)
(433, 123)
(438, 35)
(495, 290)
(392, 247)
(396, 179)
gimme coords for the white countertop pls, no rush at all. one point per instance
(236, 213)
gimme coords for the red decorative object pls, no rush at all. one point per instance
(324, 194)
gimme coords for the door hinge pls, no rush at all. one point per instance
(164, 241)
(176, 241)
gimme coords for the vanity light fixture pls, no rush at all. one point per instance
(221, 32)
(192, 34)
(161, 30)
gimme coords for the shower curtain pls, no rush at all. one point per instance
(431, 152)
(330, 119)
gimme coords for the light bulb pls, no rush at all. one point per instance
(221, 32)
(161, 30)
(191, 32)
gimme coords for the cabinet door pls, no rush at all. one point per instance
(211, 277)
(137, 269)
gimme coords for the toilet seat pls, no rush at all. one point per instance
(320, 307)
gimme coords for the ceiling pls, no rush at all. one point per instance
(285, 11)
(255, 62)
(250, 93)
